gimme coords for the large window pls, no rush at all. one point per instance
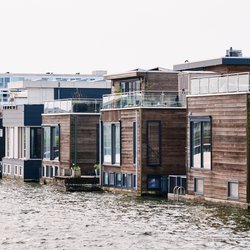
(55, 143)
(51, 142)
(130, 85)
(134, 143)
(200, 142)
(35, 143)
(22, 141)
(46, 142)
(111, 143)
(153, 143)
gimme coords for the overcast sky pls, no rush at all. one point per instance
(69, 36)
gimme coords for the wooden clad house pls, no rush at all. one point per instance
(143, 132)
(70, 137)
(218, 138)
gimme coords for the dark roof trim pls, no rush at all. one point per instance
(213, 62)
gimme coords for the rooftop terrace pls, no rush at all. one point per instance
(73, 106)
(144, 99)
(232, 83)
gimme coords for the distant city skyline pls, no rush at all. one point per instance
(80, 36)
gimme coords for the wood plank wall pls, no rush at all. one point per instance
(173, 142)
(154, 81)
(229, 144)
(64, 121)
(86, 141)
(173, 123)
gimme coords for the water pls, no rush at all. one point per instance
(43, 217)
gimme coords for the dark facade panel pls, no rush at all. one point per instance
(2, 140)
(32, 115)
(32, 170)
(64, 93)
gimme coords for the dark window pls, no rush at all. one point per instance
(118, 179)
(97, 143)
(111, 179)
(134, 181)
(200, 142)
(134, 143)
(106, 178)
(51, 143)
(153, 143)
(56, 171)
(154, 182)
(55, 143)
(124, 180)
(35, 143)
(47, 171)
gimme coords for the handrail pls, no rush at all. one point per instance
(178, 190)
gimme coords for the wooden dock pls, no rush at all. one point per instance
(84, 183)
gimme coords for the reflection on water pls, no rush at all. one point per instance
(42, 217)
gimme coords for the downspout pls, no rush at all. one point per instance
(100, 148)
(136, 147)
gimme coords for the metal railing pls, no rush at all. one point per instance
(73, 106)
(230, 83)
(145, 99)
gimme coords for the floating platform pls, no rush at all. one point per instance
(83, 183)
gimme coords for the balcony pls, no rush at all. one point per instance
(232, 83)
(73, 106)
(144, 99)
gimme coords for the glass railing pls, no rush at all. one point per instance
(144, 99)
(73, 106)
(220, 84)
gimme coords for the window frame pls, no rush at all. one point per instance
(51, 128)
(230, 197)
(114, 138)
(201, 120)
(195, 185)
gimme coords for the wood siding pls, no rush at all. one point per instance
(86, 141)
(83, 129)
(173, 142)
(228, 69)
(229, 144)
(153, 81)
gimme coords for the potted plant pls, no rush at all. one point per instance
(75, 171)
(97, 169)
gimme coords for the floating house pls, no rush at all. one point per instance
(218, 130)
(70, 137)
(143, 126)
(22, 119)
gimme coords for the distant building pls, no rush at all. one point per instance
(6, 78)
(22, 118)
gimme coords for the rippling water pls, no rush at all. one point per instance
(42, 217)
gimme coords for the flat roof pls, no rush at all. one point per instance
(138, 73)
(212, 62)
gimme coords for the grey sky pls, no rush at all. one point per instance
(69, 36)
